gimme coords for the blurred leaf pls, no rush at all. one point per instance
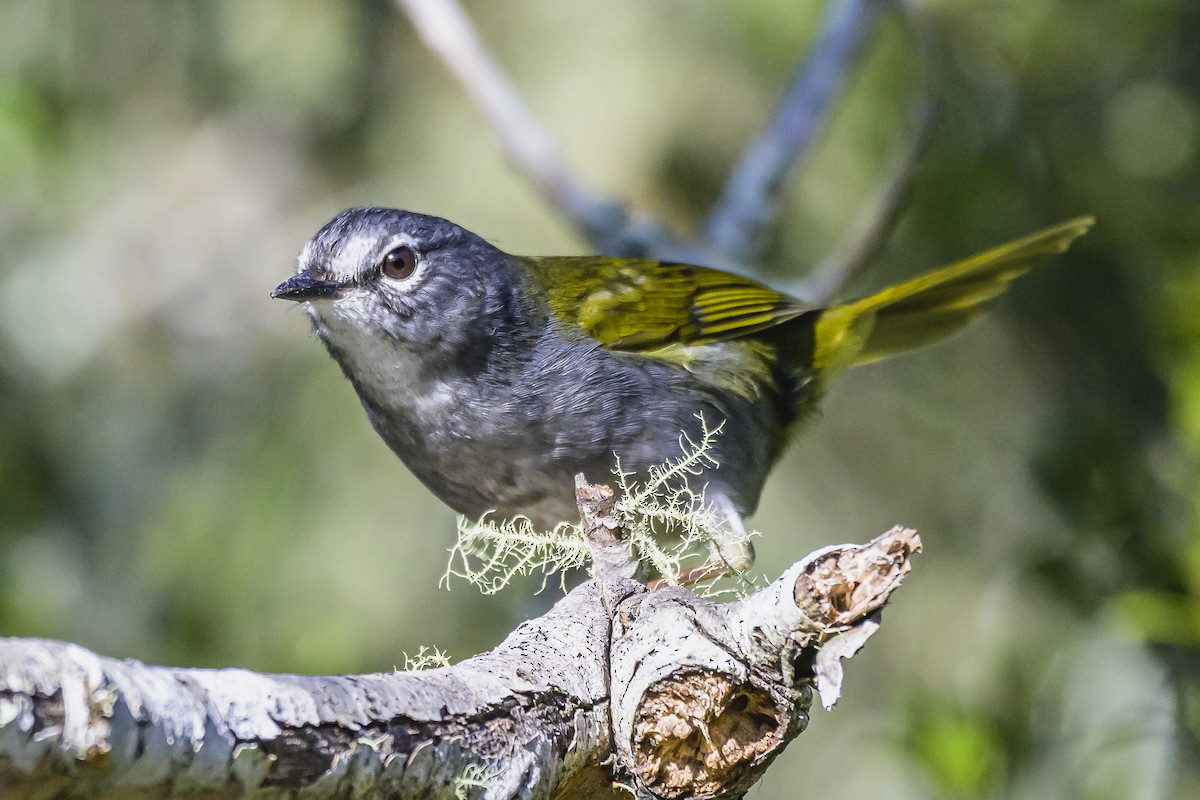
(959, 748)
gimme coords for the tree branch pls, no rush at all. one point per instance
(735, 231)
(738, 222)
(865, 238)
(447, 31)
(663, 692)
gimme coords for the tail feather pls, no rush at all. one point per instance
(932, 306)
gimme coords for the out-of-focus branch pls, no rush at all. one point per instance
(737, 224)
(735, 231)
(864, 239)
(447, 30)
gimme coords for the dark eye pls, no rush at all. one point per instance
(400, 263)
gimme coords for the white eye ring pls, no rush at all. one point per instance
(400, 263)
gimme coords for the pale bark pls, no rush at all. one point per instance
(662, 692)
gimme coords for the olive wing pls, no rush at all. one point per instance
(636, 304)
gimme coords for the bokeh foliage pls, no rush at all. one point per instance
(187, 479)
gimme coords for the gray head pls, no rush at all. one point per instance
(409, 278)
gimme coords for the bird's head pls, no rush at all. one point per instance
(392, 274)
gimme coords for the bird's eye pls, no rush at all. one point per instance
(400, 263)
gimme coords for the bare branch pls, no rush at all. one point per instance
(736, 227)
(876, 221)
(692, 697)
(447, 30)
(738, 222)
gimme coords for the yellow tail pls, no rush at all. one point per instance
(934, 305)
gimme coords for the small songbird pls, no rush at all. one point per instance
(496, 378)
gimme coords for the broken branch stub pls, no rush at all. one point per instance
(705, 696)
(602, 529)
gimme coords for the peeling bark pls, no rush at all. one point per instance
(662, 693)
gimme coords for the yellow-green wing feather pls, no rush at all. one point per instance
(636, 304)
(934, 305)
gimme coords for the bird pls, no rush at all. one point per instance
(497, 378)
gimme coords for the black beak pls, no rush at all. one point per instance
(305, 286)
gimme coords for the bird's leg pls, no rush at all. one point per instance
(730, 552)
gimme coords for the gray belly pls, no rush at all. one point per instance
(507, 476)
(489, 443)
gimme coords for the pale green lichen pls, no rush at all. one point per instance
(426, 658)
(668, 525)
(475, 776)
(489, 554)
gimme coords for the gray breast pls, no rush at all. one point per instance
(510, 437)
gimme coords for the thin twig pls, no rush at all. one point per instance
(875, 223)
(447, 30)
(738, 222)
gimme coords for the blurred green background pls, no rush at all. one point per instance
(185, 478)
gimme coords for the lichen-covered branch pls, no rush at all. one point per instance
(661, 692)
(523, 715)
